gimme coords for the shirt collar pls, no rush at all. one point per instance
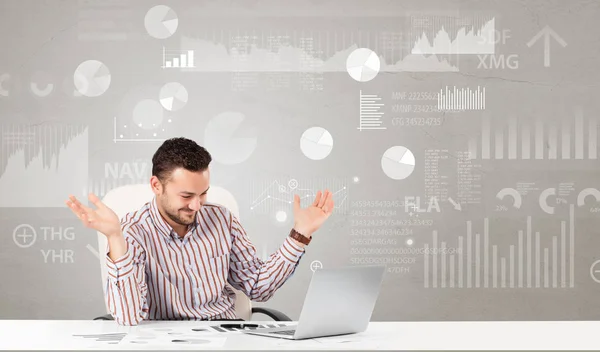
(162, 225)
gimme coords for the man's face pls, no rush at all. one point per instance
(183, 195)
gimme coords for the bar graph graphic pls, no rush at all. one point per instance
(370, 114)
(178, 58)
(461, 99)
(551, 140)
(527, 265)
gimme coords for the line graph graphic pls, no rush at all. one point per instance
(40, 165)
(281, 45)
(276, 196)
(528, 264)
(434, 35)
(254, 59)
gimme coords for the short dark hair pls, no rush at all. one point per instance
(179, 152)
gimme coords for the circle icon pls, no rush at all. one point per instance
(161, 22)
(316, 265)
(543, 200)
(293, 183)
(92, 78)
(227, 141)
(41, 84)
(316, 143)
(513, 193)
(398, 162)
(281, 216)
(595, 271)
(363, 64)
(173, 96)
(24, 235)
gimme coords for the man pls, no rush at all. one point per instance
(172, 258)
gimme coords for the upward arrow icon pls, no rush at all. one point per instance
(547, 32)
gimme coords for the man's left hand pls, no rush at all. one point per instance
(308, 220)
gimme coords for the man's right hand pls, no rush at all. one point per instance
(102, 219)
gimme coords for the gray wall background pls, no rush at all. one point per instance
(56, 142)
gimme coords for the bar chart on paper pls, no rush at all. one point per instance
(178, 58)
(550, 139)
(527, 265)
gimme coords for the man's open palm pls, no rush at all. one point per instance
(101, 219)
(308, 220)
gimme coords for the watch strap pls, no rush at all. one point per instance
(299, 237)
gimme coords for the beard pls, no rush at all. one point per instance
(183, 216)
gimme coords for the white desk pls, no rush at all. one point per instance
(59, 335)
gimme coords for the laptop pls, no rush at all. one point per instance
(339, 301)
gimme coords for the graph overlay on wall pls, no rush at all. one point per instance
(41, 165)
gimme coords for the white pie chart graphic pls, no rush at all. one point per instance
(161, 22)
(229, 138)
(363, 64)
(173, 96)
(398, 162)
(91, 78)
(316, 143)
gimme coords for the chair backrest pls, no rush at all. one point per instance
(129, 198)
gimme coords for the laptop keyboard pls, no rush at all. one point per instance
(284, 332)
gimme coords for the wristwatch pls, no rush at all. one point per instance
(299, 237)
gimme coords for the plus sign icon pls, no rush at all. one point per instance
(316, 265)
(24, 235)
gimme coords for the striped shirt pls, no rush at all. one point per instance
(164, 277)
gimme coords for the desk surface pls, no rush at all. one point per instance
(107, 335)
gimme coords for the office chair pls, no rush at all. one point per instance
(129, 198)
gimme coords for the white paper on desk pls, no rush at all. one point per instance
(352, 341)
(221, 330)
(200, 330)
(149, 340)
(355, 341)
(97, 341)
